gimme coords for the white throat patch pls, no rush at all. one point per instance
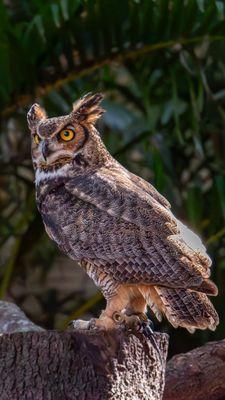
(43, 175)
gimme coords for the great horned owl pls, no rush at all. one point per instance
(116, 225)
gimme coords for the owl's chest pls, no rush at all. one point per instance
(69, 221)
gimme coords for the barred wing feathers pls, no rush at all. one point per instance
(145, 241)
(137, 240)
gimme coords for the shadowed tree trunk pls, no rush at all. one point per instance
(44, 365)
(80, 365)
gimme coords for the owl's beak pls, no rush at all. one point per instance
(45, 149)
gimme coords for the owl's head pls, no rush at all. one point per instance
(68, 140)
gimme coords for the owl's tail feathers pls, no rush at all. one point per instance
(185, 308)
(207, 287)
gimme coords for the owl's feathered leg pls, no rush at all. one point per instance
(124, 310)
(107, 319)
(115, 315)
(127, 310)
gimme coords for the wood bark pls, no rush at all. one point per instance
(37, 364)
(81, 365)
(198, 374)
(77, 365)
(13, 319)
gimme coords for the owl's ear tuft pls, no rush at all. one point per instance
(88, 108)
(35, 114)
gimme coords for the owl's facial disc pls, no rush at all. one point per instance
(59, 142)
(52, 152)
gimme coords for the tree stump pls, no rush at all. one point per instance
(36, 364)
(84, 365)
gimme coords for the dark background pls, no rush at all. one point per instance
(161, 66)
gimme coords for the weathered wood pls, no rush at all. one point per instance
(198, 374)
(44, 365)
(69, 365)
(13, 319)
(77, 365)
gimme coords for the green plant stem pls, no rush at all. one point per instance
(82, 310)
(10, 266)
(214, 238)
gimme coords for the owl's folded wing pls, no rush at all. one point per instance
(149, 189)
(115, 192)
(172, 246)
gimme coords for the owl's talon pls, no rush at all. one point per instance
(79, 324)
(143, 317)
(147, 330)
(92, 324)
(95, 324)
(133, 322)
(127, 322)
(118, 317)
(139, 322)
(146, 322)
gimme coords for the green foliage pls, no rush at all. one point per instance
(161, 65)
(43, 41)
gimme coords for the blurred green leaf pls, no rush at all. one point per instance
(220, 184)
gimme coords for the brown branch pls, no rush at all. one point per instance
(82, 70)
(198, 374)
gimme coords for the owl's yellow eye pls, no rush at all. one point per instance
(37, 139)
(66, 135)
